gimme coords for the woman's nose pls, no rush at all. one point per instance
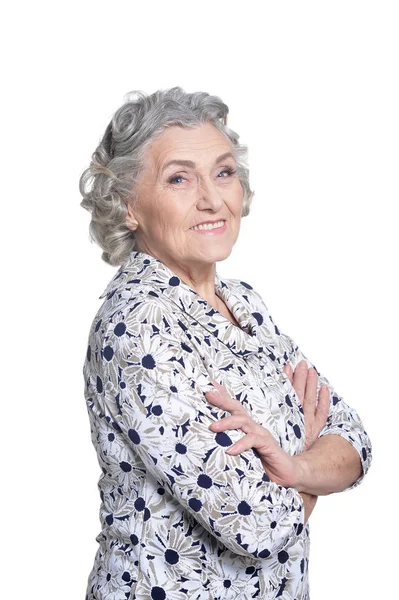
(208, 195)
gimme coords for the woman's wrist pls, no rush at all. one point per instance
(303, 473)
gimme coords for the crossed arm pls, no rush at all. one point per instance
(328, 464)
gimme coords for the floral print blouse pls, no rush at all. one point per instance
(181, 518)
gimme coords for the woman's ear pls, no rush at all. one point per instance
(131, 221)
(131, 224)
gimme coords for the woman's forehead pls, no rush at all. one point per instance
(204, 143)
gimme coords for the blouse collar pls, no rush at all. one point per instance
(145, 269)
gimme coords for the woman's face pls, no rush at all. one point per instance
(189, 178)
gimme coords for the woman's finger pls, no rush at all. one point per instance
(288, 371)
(246, 424)
(309, 401)
(221, 398)
(323, 407)
(225, 403)
(252, 440)
(233, 422)
(243, 444)
(299, 379)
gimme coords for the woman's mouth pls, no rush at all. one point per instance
(217, 227)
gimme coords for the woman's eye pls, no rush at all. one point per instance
(229, 172)
(173, 179)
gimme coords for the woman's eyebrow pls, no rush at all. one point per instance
(191, 164)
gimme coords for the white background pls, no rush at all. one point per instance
(313, 91)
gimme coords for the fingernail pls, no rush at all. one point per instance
(214, 392)
(215, 389)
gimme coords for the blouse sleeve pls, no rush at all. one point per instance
(151, 387)
(342, 419)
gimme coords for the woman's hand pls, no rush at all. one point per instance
(304, 382)
(278, 464)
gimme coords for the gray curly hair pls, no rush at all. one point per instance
(108, 184)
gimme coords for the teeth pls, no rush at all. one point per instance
(208, 226)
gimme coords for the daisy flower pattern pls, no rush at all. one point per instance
(180, 518)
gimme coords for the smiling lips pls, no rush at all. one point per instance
(209, 226)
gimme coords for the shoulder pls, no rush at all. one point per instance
(133, 311)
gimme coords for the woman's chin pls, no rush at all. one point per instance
(212, 255)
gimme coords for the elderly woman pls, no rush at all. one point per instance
(214, 433)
